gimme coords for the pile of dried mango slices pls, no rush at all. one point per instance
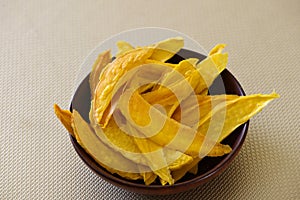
(130, 135)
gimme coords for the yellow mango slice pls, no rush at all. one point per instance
(210, 68)
(65, 116)
(238, 110)
(149, 177)
(102, 60)
(137, 150)
(123, 47)
(156, 159)
(118, 140)
(200, 78)
(204, 106)
(176, 160)
(110, 77)
(166, 49)
(161, 51)
(172, 80)
(184, 68)
(182, 138)
(79, 124)
(103, 155)
(193, 167)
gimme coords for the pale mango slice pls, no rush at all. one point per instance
(118, 140)
(65, 116)
(103, 155)
(173, 134)
(102, 60)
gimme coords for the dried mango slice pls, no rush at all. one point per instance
(238, 109)
(194, 169)
(149, 177)
(176, 160)
(170, 158)
(166, 49)
(102, 60)
(200, 78)
(184, 67)
(172, 80)
(137, 150)
(123, 47)
(110, 77)
(156, 159)
(189, 141)
(178, 174)
(118, 140)
(161, 51)
(65, 116)
(100, 152)
(112, 130)
(210, 68)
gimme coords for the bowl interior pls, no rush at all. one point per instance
(209, 167)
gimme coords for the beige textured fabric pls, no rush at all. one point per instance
(43, 44)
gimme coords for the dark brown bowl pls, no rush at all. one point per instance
(209, 167)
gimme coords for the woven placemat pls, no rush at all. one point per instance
(43, 44)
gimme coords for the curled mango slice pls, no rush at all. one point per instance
(161, 51)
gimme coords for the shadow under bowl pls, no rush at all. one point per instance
(208, 168)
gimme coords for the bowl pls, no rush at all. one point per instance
(209, 167)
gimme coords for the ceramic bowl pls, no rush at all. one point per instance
(209, 167)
